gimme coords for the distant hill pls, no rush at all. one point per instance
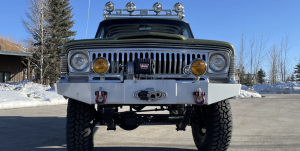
(8, 44)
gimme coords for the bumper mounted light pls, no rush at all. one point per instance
(101, 65)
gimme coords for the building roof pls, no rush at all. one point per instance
(15, 53)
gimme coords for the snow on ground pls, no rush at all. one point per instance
(248, 94)
(278, 88)
(28, 94)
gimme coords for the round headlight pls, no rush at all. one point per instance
(178, 8)
(130, 7)
(109, 6)
(101, 65)
(79, 61)
(157, 7)
(198, 67)
(217, 62)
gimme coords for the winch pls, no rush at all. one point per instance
(144, 66)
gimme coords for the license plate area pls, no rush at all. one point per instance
(150, 92)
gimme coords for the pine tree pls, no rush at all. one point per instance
(297, 72)
(60, 24)
(261, 74)
(242, 75)
(249, 80)
(292, 78)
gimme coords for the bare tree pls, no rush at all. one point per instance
(251, 54)
(37, 26)
(286, 48)
(273, 58)
(260, 52)
(282, 58)
(240, 64)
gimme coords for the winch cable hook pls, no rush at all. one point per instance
(103, 97)
(202, 97)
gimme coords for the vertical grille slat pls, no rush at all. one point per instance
(159, 63)
(175, 63)
(170, 63)
(185, 60)
(112, 63)
(165, 62)
(117, 63)
(122, 54)
(180, 64)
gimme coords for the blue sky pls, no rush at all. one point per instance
(215, 20)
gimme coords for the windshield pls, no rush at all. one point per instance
(110, 28)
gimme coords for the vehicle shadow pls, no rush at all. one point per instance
(139, 149)
(19, 133)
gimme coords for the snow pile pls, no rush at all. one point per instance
(28, 94)
(248, 94)
(278, 88)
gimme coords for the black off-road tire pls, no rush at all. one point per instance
(212, 130)
(80, 125)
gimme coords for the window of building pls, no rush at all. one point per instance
(4, 76)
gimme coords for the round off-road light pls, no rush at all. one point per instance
(178, 8)
(217, 62)
(109, 7)
(130, 7)
(79, 61)
(157, 7)
(101, 65)
(198, 67)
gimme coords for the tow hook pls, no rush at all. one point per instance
(199, 97)
(100, 96)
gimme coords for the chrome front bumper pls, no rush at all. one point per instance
(122, 93)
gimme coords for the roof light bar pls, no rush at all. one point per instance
(157, 7)
(109, 7)
(156, 11)
(130, 7)
(178, 8)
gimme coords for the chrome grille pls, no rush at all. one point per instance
(63, 64)
(166, 62)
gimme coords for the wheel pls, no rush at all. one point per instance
(80, 125)
(213, 128)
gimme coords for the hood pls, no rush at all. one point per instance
(149, 38)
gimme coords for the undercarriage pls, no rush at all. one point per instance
(179, 115)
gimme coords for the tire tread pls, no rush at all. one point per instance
(219, 125)
(80, 125)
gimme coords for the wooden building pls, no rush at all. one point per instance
(14, 66)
